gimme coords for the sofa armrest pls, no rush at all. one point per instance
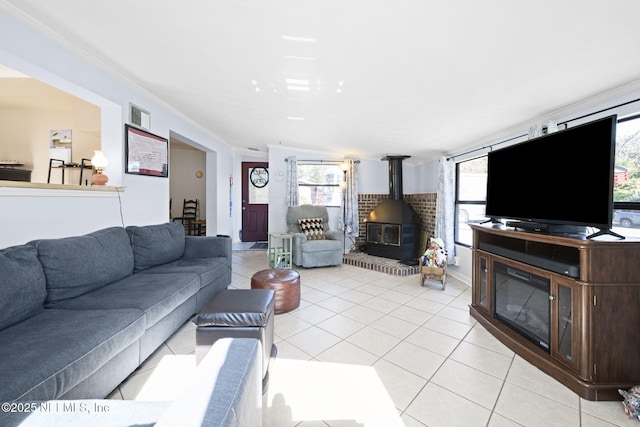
(227, 390)
(207, 247)
(298, 240)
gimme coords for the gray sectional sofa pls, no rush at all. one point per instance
(78, 315)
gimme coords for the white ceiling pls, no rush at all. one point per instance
(361, 78)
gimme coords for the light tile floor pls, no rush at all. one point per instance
(369, 349)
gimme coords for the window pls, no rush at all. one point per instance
(258, 192)
(626, 179)
(471, 193)
(319, 184)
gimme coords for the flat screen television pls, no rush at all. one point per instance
(561, 181)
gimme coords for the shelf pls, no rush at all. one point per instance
(86, 164)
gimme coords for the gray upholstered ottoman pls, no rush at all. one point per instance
(238, 313)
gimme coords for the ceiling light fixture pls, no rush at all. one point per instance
(300, 58)
(299, 88)
(295, 118)
(296, 81)
(299, 39)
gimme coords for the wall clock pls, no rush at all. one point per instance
(259, 176)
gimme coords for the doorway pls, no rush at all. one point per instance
(255, 201)
(187, 173)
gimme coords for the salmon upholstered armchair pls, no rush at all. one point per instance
(314, 244)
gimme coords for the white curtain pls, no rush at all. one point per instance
(292, 181)
(348, 219)
(445, 208)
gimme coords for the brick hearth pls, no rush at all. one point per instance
(385, 265)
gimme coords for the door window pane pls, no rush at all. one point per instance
(258, 195)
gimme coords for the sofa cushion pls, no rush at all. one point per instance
(156, 295)
(74, 266)
(208, 269)
(313, 228)
(44, 365)
(23, 287)
(156, 244)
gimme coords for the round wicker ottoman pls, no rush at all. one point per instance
(285, 282)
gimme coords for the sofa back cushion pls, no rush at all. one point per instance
(74, 266)
(22, 285)
(156, 244)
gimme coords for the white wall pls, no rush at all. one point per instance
(426, 178)
(56, 213)
(416, 179)
(374, 177)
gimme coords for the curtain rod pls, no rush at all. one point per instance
(525, 134)
(323, 161)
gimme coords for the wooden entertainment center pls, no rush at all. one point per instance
(594, 304)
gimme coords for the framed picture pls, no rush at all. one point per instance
(145, 153)
(60, 142)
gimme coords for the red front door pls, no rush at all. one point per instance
(255, 201)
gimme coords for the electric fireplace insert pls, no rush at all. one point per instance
(522, 302)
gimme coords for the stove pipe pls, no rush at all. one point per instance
(395, 176)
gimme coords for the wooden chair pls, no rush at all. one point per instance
(189, 216)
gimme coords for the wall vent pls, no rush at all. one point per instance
(139, 117)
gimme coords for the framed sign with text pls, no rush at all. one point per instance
(146, 153)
